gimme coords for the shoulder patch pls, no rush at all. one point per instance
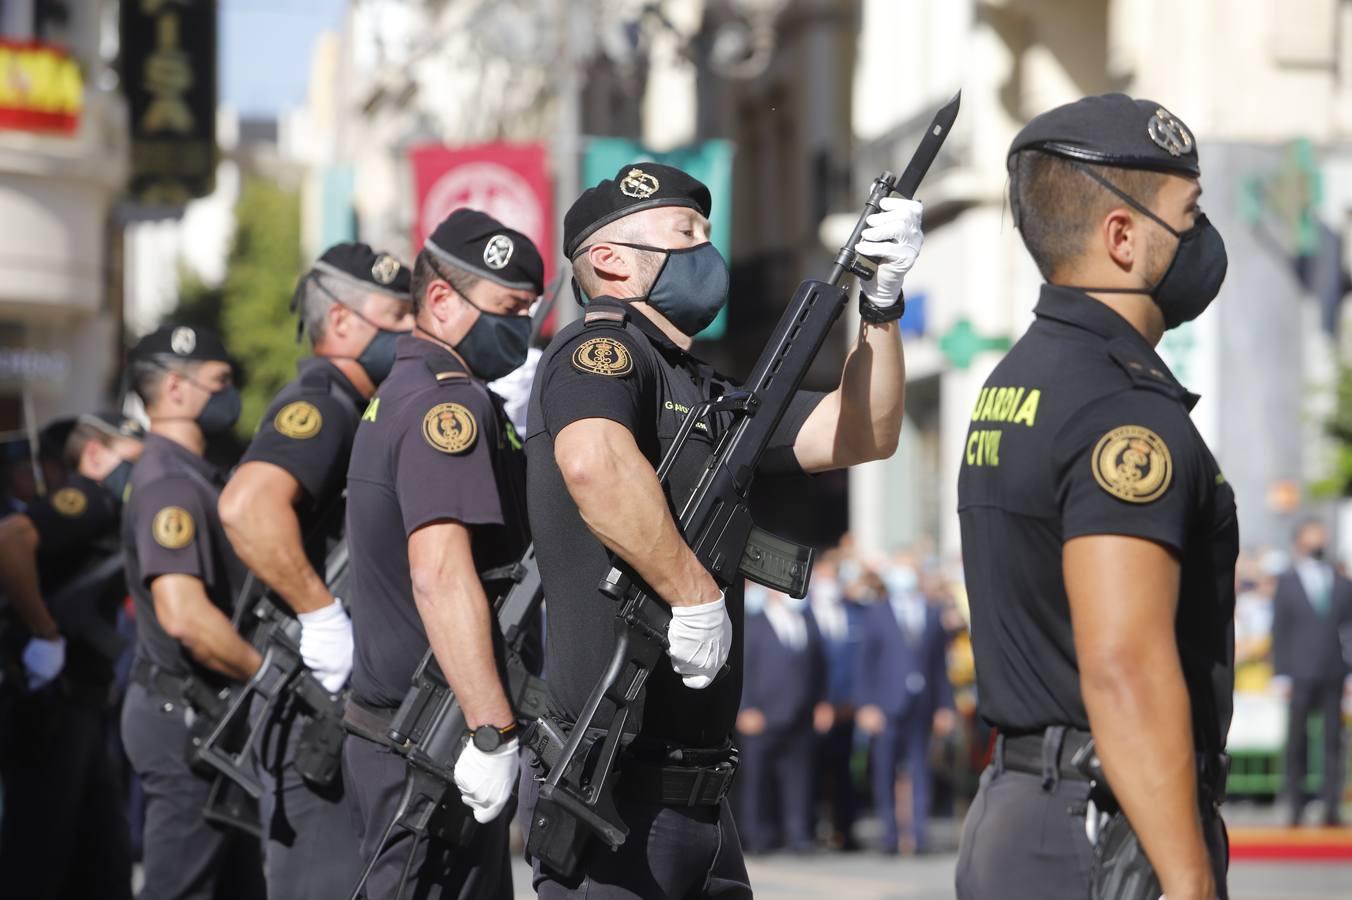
(450, 428)
(70, 502)
(1133, 464)
(603, 356)
(299, 419)
(173, 528)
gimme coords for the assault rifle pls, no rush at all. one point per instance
(576, 799)
(429, 728)
(225, 741)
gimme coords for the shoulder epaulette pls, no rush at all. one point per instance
(1146, 373)
(606, 316)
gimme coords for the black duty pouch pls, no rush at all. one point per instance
(319, 755)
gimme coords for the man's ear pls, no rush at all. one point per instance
(1120, 237)
(337, 315)
(607, 262)
(439, 298)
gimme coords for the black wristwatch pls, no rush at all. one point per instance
(490, 737)
(880, 315)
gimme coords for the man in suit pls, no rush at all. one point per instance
(1312, 605)
(783, 704)
(836, 617)
(903, 689)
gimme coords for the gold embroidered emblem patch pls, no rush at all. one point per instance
(450, 428)
(70, 502)
(1133, 464)
(603, 356)
(299, 420)
(638, 184)
(173, 528)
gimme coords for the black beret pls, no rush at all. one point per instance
(1113, 130)
(369, 268)
(181, 342)
(481, 245)
(113, 423)
(635, 187)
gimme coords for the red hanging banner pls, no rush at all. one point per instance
(510, 182)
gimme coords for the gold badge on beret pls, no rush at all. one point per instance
(173, 528)
(450, 428)
(603, 356)
(70, 502)
(299, 419)
(1133, 464)
(638, 184)
(1168, 133)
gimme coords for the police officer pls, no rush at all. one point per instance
(283, 510)
(608, 398)
(435, 496)
(183, 578)
(64, 828)
(1099, 535)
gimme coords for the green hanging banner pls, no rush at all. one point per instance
(709, 161)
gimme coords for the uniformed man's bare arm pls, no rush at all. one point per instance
(1123, 598)
(859, 421)
(458, 619)
(189, 617)
(19, 574)
(619, 497)
(258, 511)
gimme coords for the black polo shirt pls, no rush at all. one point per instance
(307, 431)
(171, 527)
(1083, 430)
(77, 528)
(433, 446)
(618, 365)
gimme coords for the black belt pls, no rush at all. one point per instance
(1043, 753)
(678, 785)
(1056, 749)
(370, 723)
(158, 680)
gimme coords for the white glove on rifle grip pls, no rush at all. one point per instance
(44, 659)
(326, 644)
(893, 238)
(698, 641)
(486, 780)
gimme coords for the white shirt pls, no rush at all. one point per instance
(789, 625)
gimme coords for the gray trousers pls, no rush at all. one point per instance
(310, 847)
(184, 856)
(1022, 841)
(680, 853)
(374, 778)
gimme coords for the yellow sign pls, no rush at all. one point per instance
(41, 88)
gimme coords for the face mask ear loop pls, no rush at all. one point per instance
(1127, 198)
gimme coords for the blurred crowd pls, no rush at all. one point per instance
(860, 694)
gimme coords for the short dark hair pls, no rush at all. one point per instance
(1057, 206)
(427, 270)
(146, 376)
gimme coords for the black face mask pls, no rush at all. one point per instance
(1318, 553)
(691, 287)
(377, 358)
(496, 345)
(221, 411)
(1195, 274)
(118, 481)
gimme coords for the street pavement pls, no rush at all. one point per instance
(869, 875)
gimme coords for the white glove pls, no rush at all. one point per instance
(326, 645)
(486, 780)
(43, 659)
(699, 638)
(894, 239)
